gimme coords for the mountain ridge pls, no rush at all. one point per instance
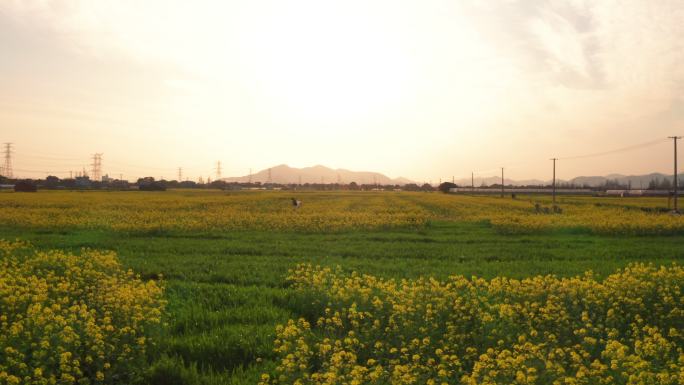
(636, 181)
(284, 174)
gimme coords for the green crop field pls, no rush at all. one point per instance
(223, 258)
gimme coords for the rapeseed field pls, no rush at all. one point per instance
(361, 329)
(73, 319)
(189, 287)
(214, 211)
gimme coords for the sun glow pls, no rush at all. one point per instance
(414, 88)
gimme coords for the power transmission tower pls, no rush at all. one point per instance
(502, 182)
(250, 175)
(300, 180)
(676, 184)
(554, 180)
(8, 161)
(180, 174)
(96, 167)
(218, 170)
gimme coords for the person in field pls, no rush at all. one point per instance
(296, 203)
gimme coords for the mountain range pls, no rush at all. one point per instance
(636, 181)
(284, 174)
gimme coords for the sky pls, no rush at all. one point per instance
(420, 89)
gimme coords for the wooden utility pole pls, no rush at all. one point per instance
(676, 187)
(554, 180)
(472, 181)
(502, 182)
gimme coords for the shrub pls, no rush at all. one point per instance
(73, 319)
(624, 329)
(25, 186)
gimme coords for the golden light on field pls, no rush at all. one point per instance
(419, 89)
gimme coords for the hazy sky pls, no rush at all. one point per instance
(421, 89)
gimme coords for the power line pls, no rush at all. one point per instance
(97, 167)
(7, 168)
(218, 170)
(616, 151)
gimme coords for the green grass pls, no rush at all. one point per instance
(226, 291)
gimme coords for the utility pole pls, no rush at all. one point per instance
(180, 174)
(8, 161)
(269, 176)
(676, 187)
(250, 175)
(554, 180)
(502, 182)
(472, 181)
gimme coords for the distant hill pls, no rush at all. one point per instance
(637, 181)
(497, 180)
(284, 174)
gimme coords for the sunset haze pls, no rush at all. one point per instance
(423, 90)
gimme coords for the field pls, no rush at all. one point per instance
(234, 265)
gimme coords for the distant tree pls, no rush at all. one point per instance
(427, 187)
(147, 179)
(218, 184)
(149, 184)
(187, 184)
(446, 186)
(353, 186)
(25, 186)
(51, 181)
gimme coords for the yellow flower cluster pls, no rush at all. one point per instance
(642, 216)
(67, 319)
(625, 329)
(326, 211)
(208, 211)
